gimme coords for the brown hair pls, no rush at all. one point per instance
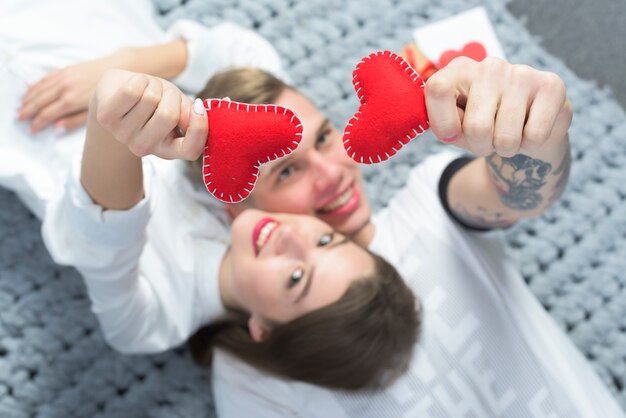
(245, 85)
(364, 340)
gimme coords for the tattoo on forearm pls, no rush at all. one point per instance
(519, 179)
(482, 217)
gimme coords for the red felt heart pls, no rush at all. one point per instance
(473, 50)
(241, 138)
(392, 110)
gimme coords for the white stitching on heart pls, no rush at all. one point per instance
(293, 119)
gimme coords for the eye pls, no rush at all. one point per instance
(323, 138)
(326, 239)
(285, 173)
(295, 277)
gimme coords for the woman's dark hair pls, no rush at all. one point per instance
(363, 340)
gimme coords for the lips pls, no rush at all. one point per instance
(345, 202)
(262, 232)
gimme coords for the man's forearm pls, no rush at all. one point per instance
(166, 60)
(531, 182)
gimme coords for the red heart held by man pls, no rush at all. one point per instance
(392, 110)
(473, 50)
(242, 137)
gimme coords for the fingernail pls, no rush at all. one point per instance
(450, 139)
(198, 107)
(59, 129)
(226, 98)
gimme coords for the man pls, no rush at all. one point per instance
(513, 118)
(487, 347)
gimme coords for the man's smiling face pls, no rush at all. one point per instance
(317, 179)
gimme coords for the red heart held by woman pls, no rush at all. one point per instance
(242, 137)
(392, 110)
(473, 50)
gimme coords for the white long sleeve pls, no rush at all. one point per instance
(150, 271)
(223, 46)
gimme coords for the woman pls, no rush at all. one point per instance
(317, 307)
(158, 266)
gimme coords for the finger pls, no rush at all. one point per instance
(190, 146)
(31, 109)
(442, 91)
(482, 104)
(114, 102)
(162, 124)
(50, 113)
(186, 107)
(544, 110)
(71, 122)
(509, 126)
(38, 87)
(131, 128)
(479, 120)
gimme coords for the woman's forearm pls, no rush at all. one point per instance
(110, 173)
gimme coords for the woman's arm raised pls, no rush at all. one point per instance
(132, 115)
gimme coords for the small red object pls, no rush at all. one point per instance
(473, 50)
(392, 110)
(242, 137)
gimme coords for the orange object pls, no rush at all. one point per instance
(416, 59)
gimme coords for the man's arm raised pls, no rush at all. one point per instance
(513, 117)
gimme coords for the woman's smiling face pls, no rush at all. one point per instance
(283, 266)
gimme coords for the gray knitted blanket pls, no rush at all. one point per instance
(53, 360)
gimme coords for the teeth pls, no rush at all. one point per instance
(340, 201)
(264, 234)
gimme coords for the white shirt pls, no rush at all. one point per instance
(39, 36)
(151, 271)
(487, 348)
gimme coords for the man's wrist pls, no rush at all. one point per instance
(164, 61)
(125, 59)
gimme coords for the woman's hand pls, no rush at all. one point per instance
(150, 115)
(493, 106)
(61, 97)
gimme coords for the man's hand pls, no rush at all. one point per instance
(62, 97)
(149, 115)
(493, 106)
